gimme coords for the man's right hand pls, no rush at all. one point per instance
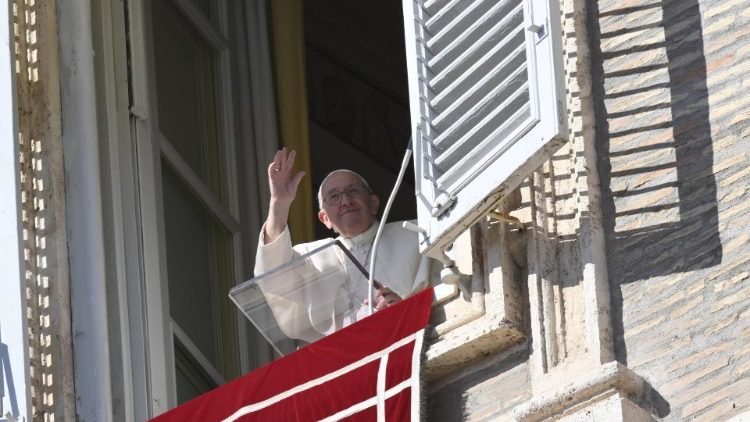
(283, 185)
(385, 297)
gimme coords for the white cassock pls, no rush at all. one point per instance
(327, 291)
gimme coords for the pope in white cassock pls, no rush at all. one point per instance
(349, 207)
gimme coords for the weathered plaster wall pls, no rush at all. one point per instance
(673, 120)
(47, 284)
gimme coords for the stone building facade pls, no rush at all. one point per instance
(613, 284)
(649, 200)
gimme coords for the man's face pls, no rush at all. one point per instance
(356, 210)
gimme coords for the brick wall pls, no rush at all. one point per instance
(673, 116)
(488, 391)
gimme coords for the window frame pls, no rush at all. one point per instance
(152, 151)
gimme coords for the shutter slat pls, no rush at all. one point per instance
(484, 94)
(499, 104)
(502, 55)
(475, 61)
(449, 12)
(503, 119)
(467, 162)
(454, 19)
(433, 6)
(453, 43)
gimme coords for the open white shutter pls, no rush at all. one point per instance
(487, 103)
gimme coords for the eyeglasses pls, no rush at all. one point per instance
(333, 198)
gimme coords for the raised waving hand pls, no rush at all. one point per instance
(283, 183)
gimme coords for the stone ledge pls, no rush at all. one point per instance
(466, 343)
(610, 377)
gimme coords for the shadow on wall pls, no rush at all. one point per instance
(655, 146)
(499, 382)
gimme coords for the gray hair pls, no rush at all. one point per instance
(320, 188)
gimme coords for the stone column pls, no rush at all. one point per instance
(573, 369)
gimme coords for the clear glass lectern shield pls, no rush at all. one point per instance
(306, 299)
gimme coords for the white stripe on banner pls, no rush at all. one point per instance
(416, 386)
(380, 389)
(372, 401)
(245, 410)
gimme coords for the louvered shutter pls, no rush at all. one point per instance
(487, 103)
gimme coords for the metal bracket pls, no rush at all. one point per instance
(539, 30)
(443, 202)
(138, 113)
(505, 218)
(408, 225)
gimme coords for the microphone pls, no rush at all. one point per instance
(381, 226)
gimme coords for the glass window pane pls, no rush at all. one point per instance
(200, 274)
(192, 381)
(185, 92)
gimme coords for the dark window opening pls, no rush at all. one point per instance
(357, 96)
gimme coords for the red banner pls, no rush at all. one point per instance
(366, 371)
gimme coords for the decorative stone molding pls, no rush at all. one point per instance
(569, 303)
(609, 392)
(485, 314)
(43, 199)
